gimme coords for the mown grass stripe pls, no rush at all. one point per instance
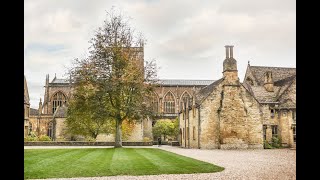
(65, 163)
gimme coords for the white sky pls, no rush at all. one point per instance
(186, 38)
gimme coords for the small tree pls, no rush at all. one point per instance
(165, 127)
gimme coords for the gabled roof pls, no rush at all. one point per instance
(284, 84)
(204, 92)
(184, 82)
(60, 81)
(282, 78)
(162, 82)
(278, 73)
(61, 112)
(34, 112)
(263, 96)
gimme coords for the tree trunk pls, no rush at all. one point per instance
(118, 141)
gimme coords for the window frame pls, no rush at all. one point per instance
(169, 103)
(58, 99)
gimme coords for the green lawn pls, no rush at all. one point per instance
(64, 163)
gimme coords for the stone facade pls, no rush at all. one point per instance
(26, 108)
(228, 114)
(59, 91)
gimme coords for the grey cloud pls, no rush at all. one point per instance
(186, 38)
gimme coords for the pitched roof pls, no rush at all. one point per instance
(61, 112)
(34, 112)
(282, 78)
(184, 82)
(264, 96)
(60, 81)
(162, 82)
(204, 92)
(278, 73)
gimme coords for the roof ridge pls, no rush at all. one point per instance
(191, 79)
(274, 67)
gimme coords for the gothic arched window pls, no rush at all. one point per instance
(169, 103)
(57, 100)
(184, 99)
(50, 129)
(155, 103)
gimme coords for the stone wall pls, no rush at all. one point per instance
(60, 130)
(209, 120)
(230, 118)
(136, 135)
(43, 126)
(83, 143)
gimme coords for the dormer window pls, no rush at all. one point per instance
(250, 81)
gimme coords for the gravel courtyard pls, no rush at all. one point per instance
(238, 164)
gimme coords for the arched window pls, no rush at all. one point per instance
(57, 100)
(169, 103)
(50, 129)
(184, 99)
(30, 127)
(155, 103)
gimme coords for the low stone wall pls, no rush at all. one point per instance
(174, 143)
(83, 143)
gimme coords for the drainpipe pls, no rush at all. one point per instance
(199, 127)
(185, 125)
(188, 129)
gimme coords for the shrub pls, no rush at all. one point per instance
(44, 138)
(276, 142)
(146, 139)
(90, 139)
(267, 145)
(31, 138)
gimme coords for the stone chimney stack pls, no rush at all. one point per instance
(230, 72)
(268, 81)
(227, 52)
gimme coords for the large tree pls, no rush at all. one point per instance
(116, 67)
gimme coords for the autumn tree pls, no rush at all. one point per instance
(165, 127)
(87, 115)
(116, 66)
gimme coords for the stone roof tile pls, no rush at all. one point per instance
(278, 73)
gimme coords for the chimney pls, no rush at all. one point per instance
(227, 51)
(230, 72)
(229, 64)
(268, 81)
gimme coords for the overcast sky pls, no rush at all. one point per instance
(186, 38)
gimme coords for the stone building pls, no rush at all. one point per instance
(49, 118)
(275, 89)
(228, 114)
(223, 113)
(26, 108)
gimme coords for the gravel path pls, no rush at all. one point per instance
(238, 164)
